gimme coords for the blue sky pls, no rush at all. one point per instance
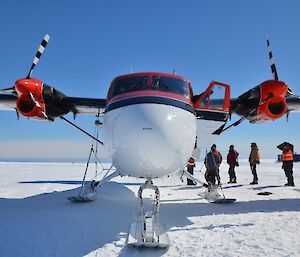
(91, 42)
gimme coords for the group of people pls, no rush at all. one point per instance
(213, 160)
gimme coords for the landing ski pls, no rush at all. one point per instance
(135, 238)
(213, 196)
(225, 200)
(87, 192)
(82, 198)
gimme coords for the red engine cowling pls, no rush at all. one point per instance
(272, 104)
(262, 103)
(30, 99)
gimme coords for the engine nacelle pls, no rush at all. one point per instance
(265, 102)
(30, 109)
(30, 98)
(37, 100)
(272, 104)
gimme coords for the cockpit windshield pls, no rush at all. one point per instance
(129, 84)
(172, 85)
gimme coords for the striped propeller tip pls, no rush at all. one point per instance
(38, 54)
(47, 37)
(271, 58)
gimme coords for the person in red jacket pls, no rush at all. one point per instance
(190, 169)
(232, 160)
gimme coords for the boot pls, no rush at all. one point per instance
(190, 182)
(230, 181)
(254, 182)
(289, 184)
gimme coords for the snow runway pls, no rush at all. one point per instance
(36, 219)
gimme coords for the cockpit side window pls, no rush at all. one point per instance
(172, 85)
(129, 84)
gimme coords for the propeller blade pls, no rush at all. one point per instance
(289, 91)
(38, 54)
(7, 89)
(273, 67)
(38, 106)
(271, 58)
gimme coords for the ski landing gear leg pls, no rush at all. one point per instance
(88, 190)
(147, 231)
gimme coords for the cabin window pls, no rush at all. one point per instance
(129, 84)
(214, 99)
(217, 97)
(172, 85)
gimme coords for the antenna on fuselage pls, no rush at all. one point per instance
(131, 69)
(174, 72)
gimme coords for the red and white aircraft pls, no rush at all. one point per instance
(152, 122)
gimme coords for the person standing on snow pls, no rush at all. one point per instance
(214, 147)
(232, 160)
(212, 163)
(254, 159)
(190, 169)
(191, 164)
(287, 163)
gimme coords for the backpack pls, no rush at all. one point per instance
(211, 161)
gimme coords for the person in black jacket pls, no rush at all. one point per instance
(212, 163)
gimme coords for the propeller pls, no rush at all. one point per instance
(38, 106)
(34, 63)
(38, 54)
(273, 66)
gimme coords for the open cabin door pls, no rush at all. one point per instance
(212, 112)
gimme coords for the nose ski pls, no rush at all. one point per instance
(147, 231)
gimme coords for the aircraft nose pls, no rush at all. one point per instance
(151, 138)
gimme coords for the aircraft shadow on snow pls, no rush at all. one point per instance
(65, 182)
(49, 225)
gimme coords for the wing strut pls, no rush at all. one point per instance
(238, 122)
(80, 129)
(222, 129)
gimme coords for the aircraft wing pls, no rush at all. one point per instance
(8, 102)
(87, 105)
(57, 106)
(293, 103)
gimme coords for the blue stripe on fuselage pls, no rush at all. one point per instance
(150, 99)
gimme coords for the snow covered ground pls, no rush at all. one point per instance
(36, 219)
